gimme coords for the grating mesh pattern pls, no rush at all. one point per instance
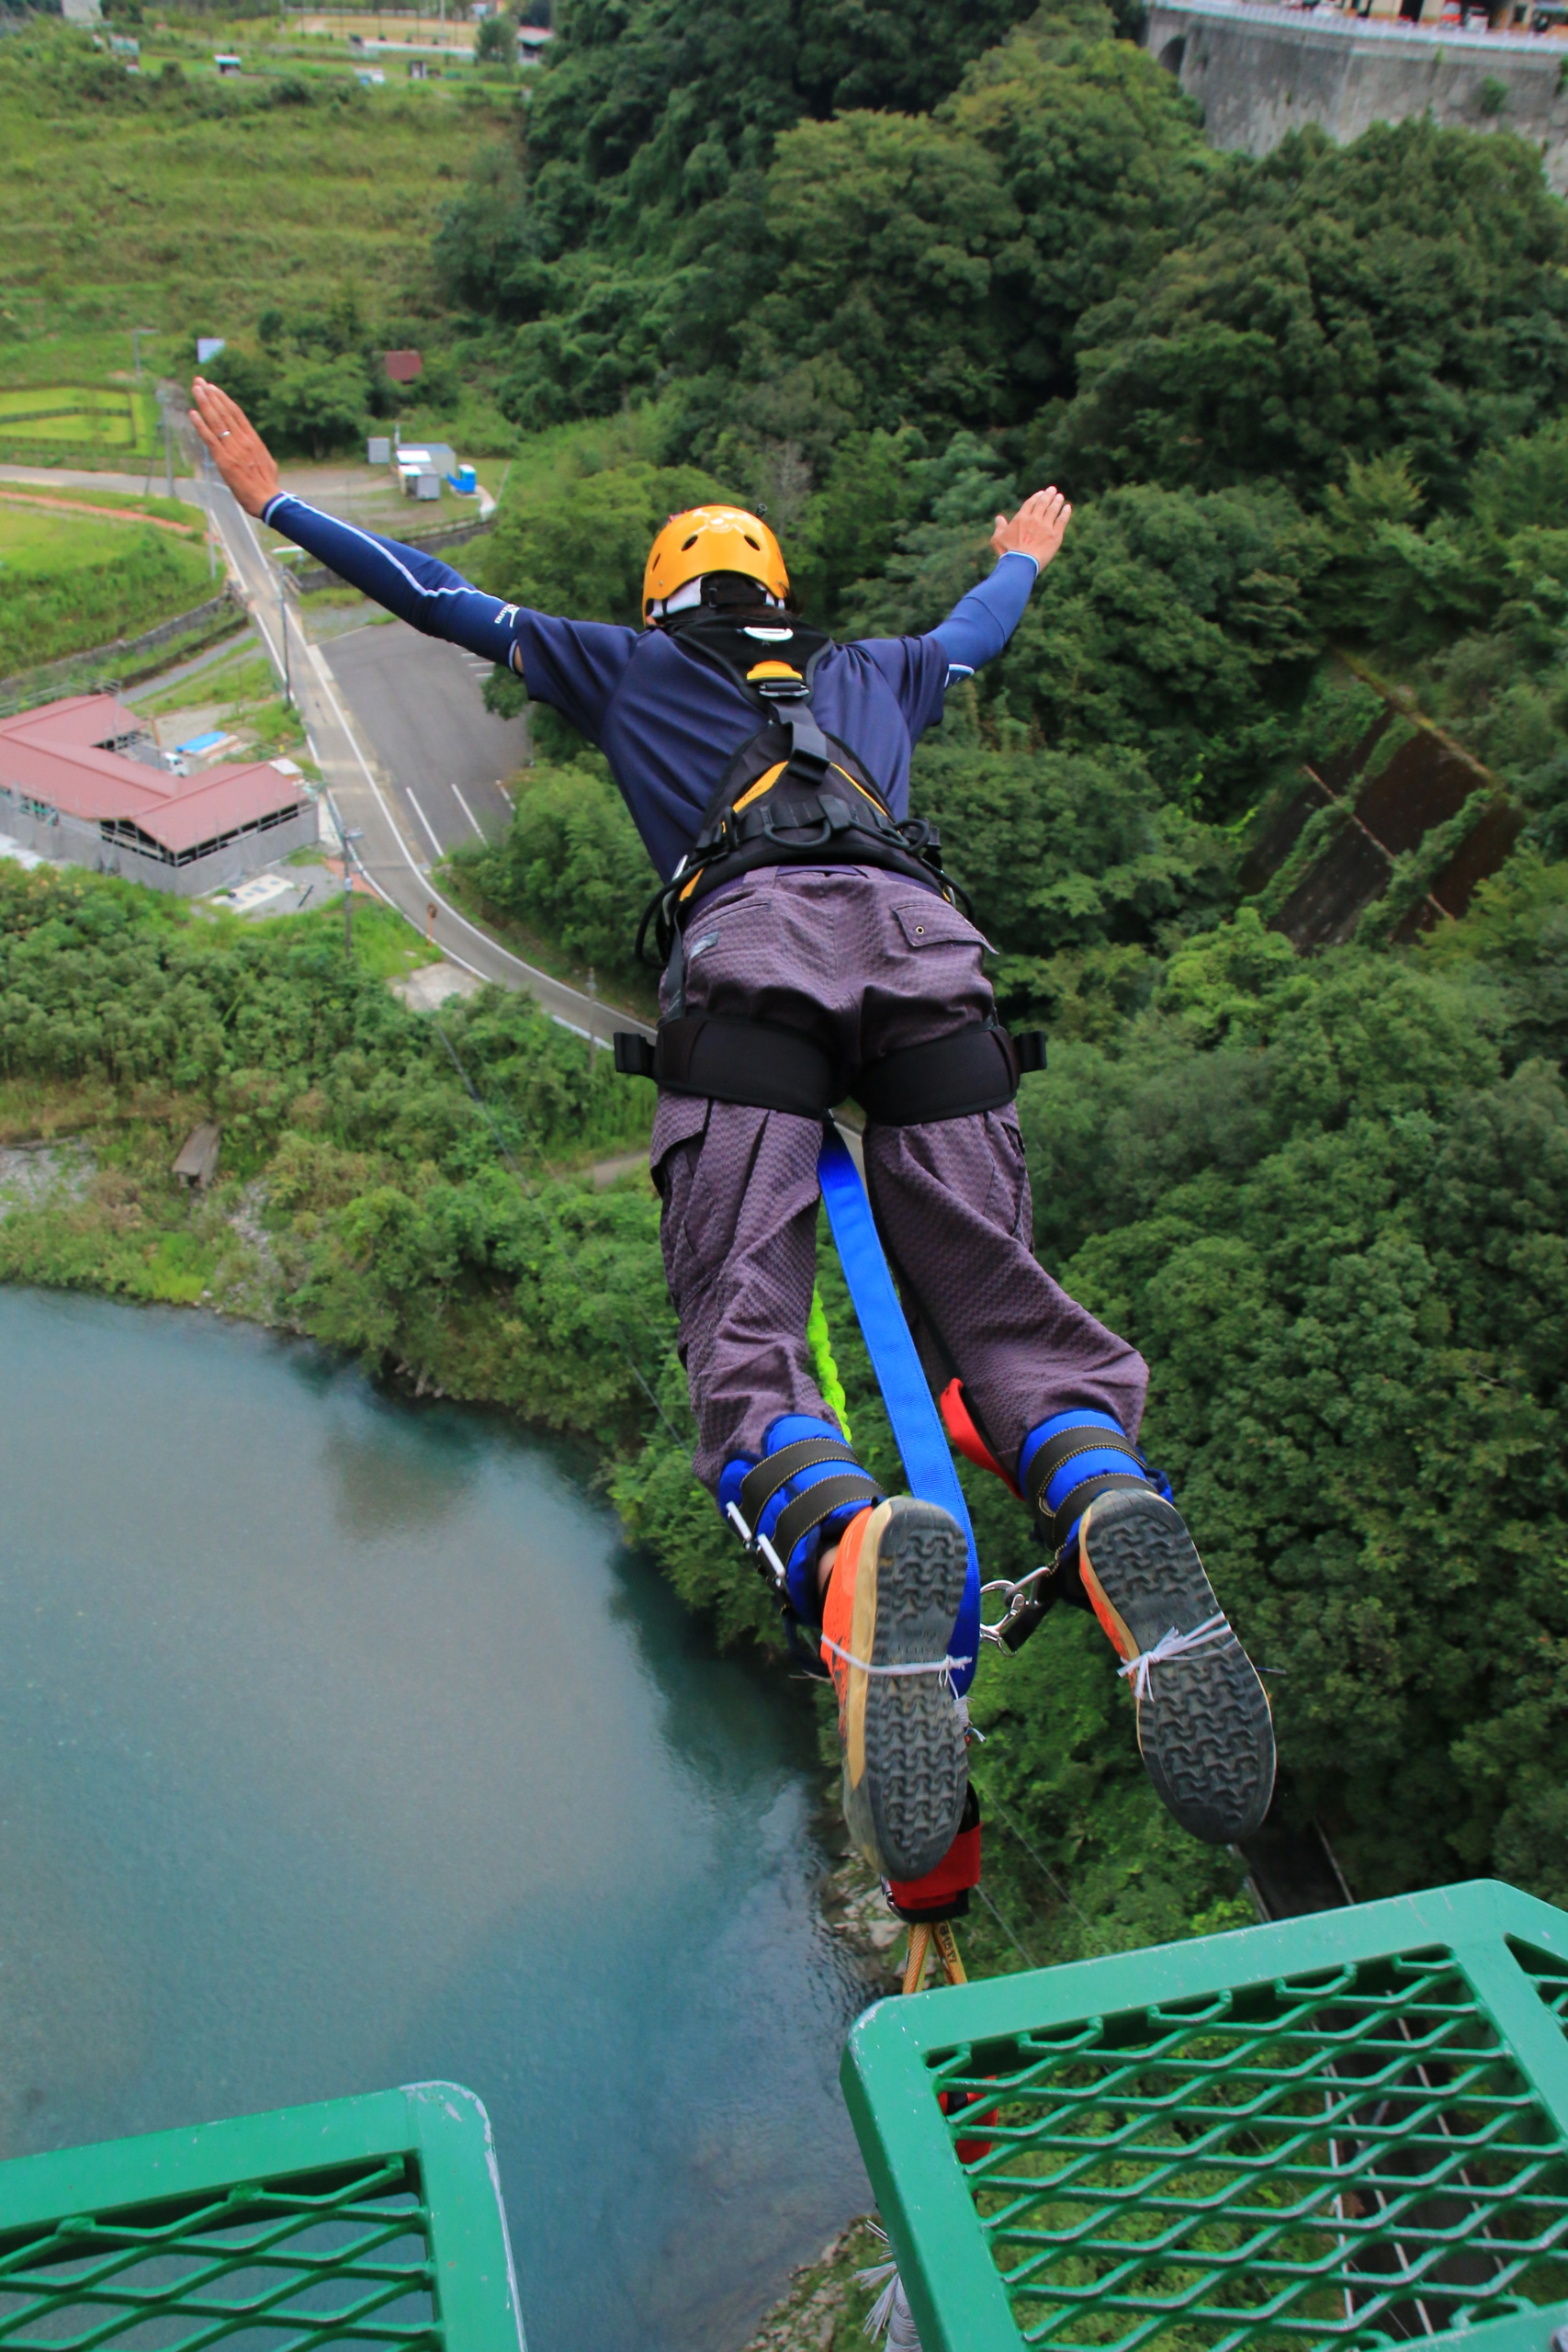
(1549, 1976)
(279, 2265)
(1347, 2157)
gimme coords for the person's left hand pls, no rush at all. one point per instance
(1037, 529)
(242, 456)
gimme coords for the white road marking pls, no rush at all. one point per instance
(467, 812)
(424, 821)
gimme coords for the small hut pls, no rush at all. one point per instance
(198, 1162)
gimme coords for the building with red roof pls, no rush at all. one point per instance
(81, 781)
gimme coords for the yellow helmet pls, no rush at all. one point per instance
(712, 539)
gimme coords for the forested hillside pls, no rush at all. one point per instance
(1307, 408)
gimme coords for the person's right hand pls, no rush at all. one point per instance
(242, 456)
(1037, 529)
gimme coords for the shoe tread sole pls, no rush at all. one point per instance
(905, 1810)
(1204, 1729)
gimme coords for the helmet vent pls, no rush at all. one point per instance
(689, 543)
(751, 542)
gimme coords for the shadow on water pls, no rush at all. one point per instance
(343, 1743)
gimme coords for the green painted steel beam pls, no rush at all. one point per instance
(375, 2222)
(1322, 2133)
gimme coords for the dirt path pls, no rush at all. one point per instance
(105, 513)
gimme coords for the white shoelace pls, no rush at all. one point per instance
(1173, 1645)
(891, 2310)
(945, 1667)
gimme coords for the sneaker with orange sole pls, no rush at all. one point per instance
(1204, 1730)
(887, 1620)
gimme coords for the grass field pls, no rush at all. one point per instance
(70, 582)
(70, 500)
(123, 206)
(119, 420)
(34, 545)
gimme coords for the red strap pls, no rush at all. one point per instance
(969, 2152)
(958, 1870)
(961, 1429)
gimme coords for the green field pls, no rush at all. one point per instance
(242, 692)
(66, 499)
(120, 422)
(36, 546)
(70, 582)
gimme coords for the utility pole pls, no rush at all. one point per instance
(283, 621)
(348, 841)
(168, 453)
(348, 837)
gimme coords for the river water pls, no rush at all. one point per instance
(343, 1744)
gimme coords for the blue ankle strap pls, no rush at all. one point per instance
(1069, 1459)
(783, 1510)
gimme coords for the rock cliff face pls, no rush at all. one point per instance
(1259, 71)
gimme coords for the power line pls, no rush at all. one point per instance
(1006, 1931)
(993, 1805)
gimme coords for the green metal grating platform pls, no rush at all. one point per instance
(1340, 2131)
(371, 2221)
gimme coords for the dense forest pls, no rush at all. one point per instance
(884, 270)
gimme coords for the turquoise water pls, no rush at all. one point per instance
(343, 1744)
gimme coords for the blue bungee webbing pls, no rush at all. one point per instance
(917, 1425)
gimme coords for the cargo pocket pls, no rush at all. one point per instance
(679, 1119)
(1009, 1204)
(931, 921)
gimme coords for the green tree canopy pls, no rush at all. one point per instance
(580, 544)
(1403, 292)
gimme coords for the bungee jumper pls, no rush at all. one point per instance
(813, 950)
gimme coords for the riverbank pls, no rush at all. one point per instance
(422, 1200)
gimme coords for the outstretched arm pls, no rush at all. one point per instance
(415, 586)
(575, 665)
(981, 623)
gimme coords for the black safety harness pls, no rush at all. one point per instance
(1065, 1446)
(773, 1069)
(792, 796)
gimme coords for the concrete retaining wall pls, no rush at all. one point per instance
(1260, 71)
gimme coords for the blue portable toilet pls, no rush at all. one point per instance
(465, 480)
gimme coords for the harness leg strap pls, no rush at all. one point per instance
(1069, 1460)
(808, 1486)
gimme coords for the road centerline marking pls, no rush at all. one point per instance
(424, 820)
(469, 813)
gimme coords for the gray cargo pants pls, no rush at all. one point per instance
(876, 961)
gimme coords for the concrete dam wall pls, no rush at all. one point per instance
(1259, 72)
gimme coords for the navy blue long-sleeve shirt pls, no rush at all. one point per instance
(667, 724)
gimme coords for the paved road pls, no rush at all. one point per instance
(418, 704)
(132, 485)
